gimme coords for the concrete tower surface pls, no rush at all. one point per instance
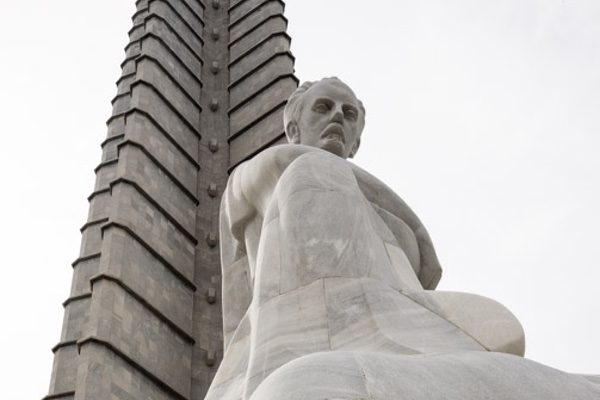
(203, 88)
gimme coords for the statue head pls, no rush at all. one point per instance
(325, 114)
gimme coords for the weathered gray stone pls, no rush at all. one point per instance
(143, 319)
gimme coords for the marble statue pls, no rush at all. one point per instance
(329, 278)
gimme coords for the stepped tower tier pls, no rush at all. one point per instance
(203, 88)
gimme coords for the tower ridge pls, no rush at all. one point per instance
(143, 317)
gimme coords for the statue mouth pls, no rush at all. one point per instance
(334, 131)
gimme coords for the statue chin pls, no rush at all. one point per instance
(334, 146)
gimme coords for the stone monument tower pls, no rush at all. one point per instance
(203, 88)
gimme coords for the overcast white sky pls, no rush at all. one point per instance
(484, 115)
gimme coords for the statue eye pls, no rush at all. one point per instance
(322, 107)
(351, 114)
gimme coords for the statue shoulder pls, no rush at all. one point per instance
(252, 182)
(275, 158)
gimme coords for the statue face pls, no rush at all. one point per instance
(329, 119)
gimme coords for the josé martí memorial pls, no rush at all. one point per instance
(233, 252)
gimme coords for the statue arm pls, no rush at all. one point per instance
(251, 185)
(243, 206)
(382, 196)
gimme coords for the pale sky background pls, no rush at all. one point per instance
(484, 115)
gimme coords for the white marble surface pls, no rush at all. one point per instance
(451, 376)
(327, 274)
(328, 281)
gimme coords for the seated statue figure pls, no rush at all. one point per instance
(329, 278)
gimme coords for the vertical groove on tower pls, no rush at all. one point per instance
(202, 89)
(214, 158)
(248, 79)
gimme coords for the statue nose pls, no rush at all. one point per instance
(338, 116)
